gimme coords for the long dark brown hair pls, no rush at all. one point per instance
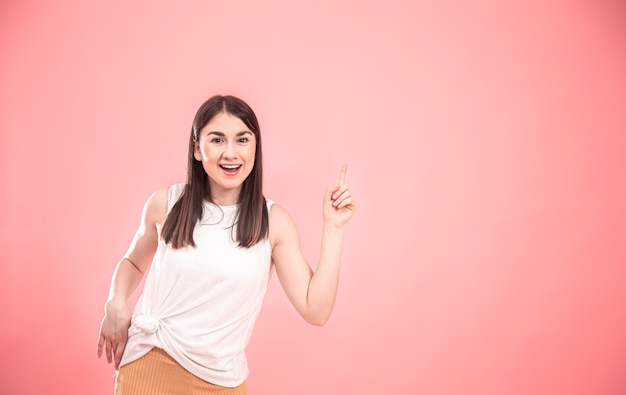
(251, 220)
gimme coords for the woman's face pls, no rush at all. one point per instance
(226, 148)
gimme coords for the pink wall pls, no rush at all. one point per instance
(486, 146)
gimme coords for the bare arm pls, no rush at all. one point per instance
(312, 293)
(127, 276)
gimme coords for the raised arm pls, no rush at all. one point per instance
(312, 293)
(127, 276)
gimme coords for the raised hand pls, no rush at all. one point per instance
(339, 205)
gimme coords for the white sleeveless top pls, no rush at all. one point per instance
(200, 303)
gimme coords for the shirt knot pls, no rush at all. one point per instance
(142, 323)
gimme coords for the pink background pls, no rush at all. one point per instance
(486, 147)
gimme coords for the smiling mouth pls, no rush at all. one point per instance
(230, 168)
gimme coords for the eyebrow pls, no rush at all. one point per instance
(221, 134)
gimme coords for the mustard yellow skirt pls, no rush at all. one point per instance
(156, 373)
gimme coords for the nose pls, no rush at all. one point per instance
(229, 152)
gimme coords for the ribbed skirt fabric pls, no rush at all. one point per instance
(156, 373)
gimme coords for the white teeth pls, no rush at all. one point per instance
(230, 167)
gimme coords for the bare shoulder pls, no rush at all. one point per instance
(281, 224)
(278, 216)
(155, 208)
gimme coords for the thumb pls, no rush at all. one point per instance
(329, 192)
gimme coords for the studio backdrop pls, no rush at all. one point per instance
(485, 144)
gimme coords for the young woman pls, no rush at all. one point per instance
(210, 243)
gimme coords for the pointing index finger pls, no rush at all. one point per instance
(342, 174)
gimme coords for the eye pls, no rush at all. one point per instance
(216, 140)
(243, 140)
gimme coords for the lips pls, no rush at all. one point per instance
(230, 169)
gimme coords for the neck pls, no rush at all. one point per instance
(228, 197)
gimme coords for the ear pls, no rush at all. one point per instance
(196, 152)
